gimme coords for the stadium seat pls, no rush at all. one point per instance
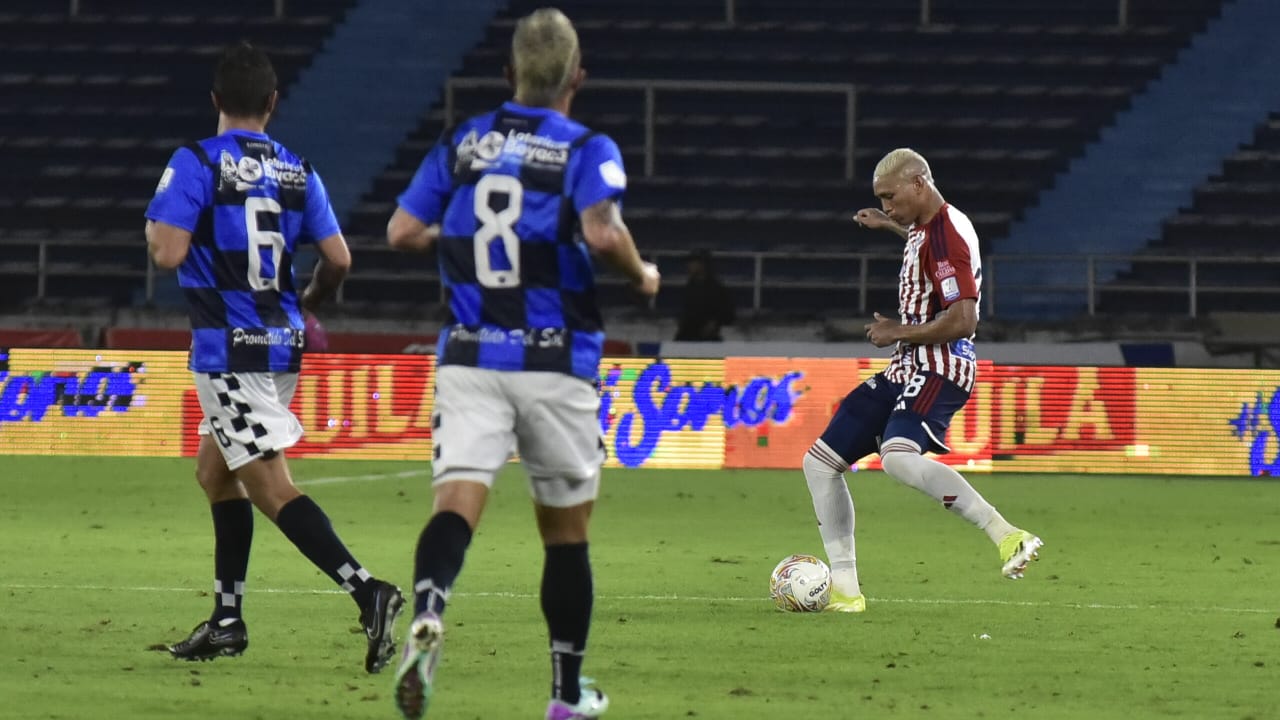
(1026, 86)
(92, 107)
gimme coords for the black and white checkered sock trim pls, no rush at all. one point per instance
(229, 597)
(348, 573)
(566, 648)
(227, 387)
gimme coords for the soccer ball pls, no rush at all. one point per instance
(800, 583)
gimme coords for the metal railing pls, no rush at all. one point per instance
(650, 88)
(73, 8)
(1080, 279)
(1092, 281)
(731, 16)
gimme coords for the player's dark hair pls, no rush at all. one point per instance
(244, 81)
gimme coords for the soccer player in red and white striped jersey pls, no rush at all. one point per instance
(940, 269)
(905, 410)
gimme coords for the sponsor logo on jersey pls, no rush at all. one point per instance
(268, 337)
(528, 337)
(165, 178)
(963, 348)
(944, 269)
(228, 170)
(478, 152)
(249, 169)
(244, 174)
(950, 288)
(250, 172)
(613, 175)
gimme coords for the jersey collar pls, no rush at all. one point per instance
(246, 133)
(515, 107)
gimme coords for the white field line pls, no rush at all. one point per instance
(1197, 610)
(643, 598)
(364, 478)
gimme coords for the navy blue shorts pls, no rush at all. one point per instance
(880, 409)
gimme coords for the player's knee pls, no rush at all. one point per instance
(820, 459)
(210, 479)
(563, 525)
(903, 465)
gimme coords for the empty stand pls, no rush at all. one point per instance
(92, 106)
(998, 94)
(1235, 216)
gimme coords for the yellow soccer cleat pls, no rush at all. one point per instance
(1016, 550)
(845, 603)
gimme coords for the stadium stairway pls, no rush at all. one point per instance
(372, 82)
(1234, 216)
(1144, 167)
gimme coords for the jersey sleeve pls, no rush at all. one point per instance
(181, 195)
(599, 174)
(429, 190)
(951, 267)
(318, 219)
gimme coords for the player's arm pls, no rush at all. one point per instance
(609, 239)
(874, 219)
(330, 271)
(406, 232)
(167, 244)
(174, 211)
(959, 320)
(415, 225)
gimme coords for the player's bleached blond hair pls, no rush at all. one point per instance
(905, 163)
(544, 56)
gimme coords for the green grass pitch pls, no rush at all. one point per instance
(1154, 597)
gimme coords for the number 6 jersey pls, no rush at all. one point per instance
(507, 188)
(248, 202)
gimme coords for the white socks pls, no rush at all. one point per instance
(832, 503)
(942, 484)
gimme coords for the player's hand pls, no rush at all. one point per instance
(317, 338)
(883, 332)
(650, 280)
(874, 219)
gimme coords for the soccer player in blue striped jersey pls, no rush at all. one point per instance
(228, 214)
(517, 200)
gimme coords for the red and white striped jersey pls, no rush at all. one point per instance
(940, 266)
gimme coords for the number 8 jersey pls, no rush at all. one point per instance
(248, 203)
(507, 188)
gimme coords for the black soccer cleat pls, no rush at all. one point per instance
(210, 640)
(378, 619)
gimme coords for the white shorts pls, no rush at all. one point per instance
(483, 416)
(248, 413)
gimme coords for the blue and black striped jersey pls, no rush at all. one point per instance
(507, 188)
(248, 203)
